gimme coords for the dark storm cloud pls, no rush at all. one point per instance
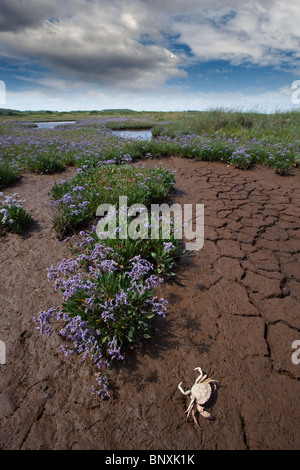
(16, 15)
(120, 66)
(92, 41)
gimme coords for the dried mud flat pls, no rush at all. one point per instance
(233, 310)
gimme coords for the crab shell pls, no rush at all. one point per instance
(201, 392)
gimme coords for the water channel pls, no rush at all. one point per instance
(52, 124)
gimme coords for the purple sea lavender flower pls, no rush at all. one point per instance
(113, 350)
(44, 320)
(65, 267)
(140, 267)
(153, 282)
(108, 265)
(168, 246)
(78, 188)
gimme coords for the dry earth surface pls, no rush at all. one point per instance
(233, 310)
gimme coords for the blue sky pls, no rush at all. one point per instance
(149, 55)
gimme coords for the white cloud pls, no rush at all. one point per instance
(244, 32)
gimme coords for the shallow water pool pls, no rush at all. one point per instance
(52, 124)
(134, 134)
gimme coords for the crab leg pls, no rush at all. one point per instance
(190, 407)
(195, 419)
(210, 381)
(182, 391)
(201, 374)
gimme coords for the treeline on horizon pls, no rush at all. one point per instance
(126, 111)
(13, 112)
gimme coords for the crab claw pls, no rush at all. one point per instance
(204, 413)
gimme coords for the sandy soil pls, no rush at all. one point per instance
(233, 310)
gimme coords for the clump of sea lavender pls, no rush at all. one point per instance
(106, 308)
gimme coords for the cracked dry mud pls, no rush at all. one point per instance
(233, 310)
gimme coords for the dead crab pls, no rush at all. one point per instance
(200, 393)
